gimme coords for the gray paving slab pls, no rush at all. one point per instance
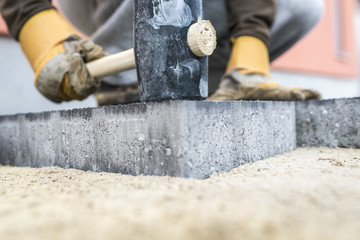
(176, 138)
(328, 123)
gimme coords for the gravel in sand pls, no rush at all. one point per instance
(306, 194)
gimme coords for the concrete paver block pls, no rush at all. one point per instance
(176, 138)
(328, 123)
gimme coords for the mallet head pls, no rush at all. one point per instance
(171, 58)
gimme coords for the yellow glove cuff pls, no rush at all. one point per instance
(249, 56)
(41, 38)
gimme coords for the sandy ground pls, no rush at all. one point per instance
(306, 194)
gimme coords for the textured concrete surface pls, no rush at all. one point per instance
(329, 123)
(176, 138)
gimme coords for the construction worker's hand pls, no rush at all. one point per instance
(70, 69)
(237, 86)
(58, 57)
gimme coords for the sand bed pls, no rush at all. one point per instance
(306, 194)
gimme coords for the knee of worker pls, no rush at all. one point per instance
(309, 14)
(305, 14)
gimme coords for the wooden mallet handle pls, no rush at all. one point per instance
(112, 64)
(201, 41)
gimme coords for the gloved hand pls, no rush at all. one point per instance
(236, 86)
(58, 57)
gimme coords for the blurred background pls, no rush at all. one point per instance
(327, 60)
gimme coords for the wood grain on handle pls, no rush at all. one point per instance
(112, 64)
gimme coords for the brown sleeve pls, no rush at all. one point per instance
(251, 18)
(17, 12)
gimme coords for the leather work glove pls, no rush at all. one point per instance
(58, 57)
(248, 76)
(237, 86)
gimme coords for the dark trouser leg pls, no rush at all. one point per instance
(17, 12)
(294, 19)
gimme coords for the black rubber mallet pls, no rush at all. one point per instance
(171, 46)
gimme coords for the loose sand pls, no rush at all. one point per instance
(306, 194)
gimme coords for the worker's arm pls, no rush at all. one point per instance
(17, 12)
(251, 18)
(248, 70)
(53, 48)
(249, 24)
